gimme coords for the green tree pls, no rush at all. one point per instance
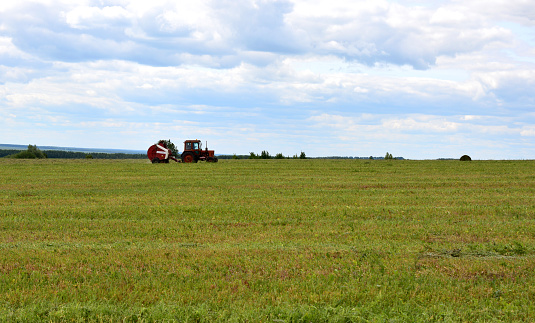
(31, 153)
(36, 151)
(265, 155)
(303, 155)
(279, 156)
(388, 156)
(252, 155)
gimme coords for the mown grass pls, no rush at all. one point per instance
(267, 240)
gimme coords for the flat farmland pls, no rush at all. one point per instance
(267, 241)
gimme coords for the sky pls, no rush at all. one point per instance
(417, 79)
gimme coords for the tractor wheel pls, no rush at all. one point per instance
(188, 158)
(155, 160)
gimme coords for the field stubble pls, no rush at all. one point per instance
(267, 240)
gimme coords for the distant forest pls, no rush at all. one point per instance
(76, 155)
(95, 155)
(294, 157)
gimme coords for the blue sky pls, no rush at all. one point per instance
(418, 79)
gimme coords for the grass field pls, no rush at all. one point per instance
(267, 240)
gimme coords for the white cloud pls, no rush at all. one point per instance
(379, 31)
(400, 124)
(166, 33)
(528, 131)
(86, 17)
(520, 11)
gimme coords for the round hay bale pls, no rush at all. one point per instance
(465, 158)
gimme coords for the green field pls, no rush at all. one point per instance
(267, 240)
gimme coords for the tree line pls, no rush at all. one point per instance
(266, 155)
(35, 153)
(263, 155)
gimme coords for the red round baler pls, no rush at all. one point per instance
(159, 153)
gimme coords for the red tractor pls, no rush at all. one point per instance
(193, 152)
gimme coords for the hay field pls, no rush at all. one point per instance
(267, 240)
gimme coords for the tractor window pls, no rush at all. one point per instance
(188, 145)
(195, 145)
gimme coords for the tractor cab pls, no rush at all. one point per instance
(190, 145)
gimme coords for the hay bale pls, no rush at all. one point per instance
(465, 158)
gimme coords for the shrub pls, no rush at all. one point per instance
(465, 158)
(31, 153)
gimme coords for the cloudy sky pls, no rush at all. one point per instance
(418, 79)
